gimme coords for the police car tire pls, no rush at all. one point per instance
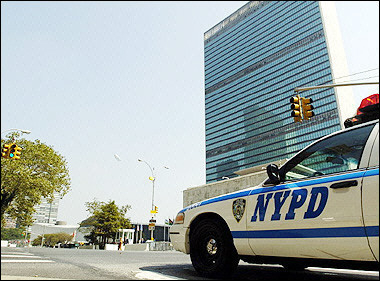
(219, 262)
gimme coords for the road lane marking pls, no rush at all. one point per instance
(9, 261)
(14, 253)
(19, 256)
(344, 271)
(154, 276)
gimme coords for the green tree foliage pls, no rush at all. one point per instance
(88, 230)
(39, 173)
(105, 221)
(51, 240)
(11, 234)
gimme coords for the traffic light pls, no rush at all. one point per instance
(154, 211)
(17, 152)
(296, 108)
(307, 108)
(5, 151)
(12, 151)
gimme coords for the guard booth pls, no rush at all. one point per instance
(143, 233)
(127, 235)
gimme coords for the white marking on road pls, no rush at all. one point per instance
(19, 256)
(9, 261)
(154, 276)
(345, 271)
(13, 253)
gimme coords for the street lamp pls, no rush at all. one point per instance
(117, 157)
(152, 178)
(22, 131)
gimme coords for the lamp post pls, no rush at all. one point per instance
(152, 178)
(22, 131)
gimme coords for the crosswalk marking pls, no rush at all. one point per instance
(16, 253)
(19, 256)
(25, 261)
(22, 258)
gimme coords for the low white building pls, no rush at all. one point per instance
(39, 229)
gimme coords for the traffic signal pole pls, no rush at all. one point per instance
(333, 85)
(301, 106)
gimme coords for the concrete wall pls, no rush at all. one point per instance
(199, 193)
(159, 246)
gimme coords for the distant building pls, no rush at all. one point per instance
(47, 212)
(39, 229)
(254, 59)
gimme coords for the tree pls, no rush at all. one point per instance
(50, 240)
(11, 234)
(87, 228)
(39, 173)
(105, 220)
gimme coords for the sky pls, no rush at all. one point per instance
(93, 79)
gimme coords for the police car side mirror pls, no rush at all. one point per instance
(273, 174)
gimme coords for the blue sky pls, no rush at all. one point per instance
(97, 78)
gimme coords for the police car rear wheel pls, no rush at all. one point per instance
(212, 251)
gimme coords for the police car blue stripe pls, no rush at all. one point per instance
(316, 181)
(309, 233)
(217, 199)
(226, 197)
(372, 231)
(372, 172)
(254, 191)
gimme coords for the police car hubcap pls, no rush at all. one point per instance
(211, 247)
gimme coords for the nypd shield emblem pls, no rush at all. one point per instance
(238, 207)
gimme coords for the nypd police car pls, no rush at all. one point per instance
(321, 208)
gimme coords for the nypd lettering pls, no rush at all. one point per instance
(297, 199)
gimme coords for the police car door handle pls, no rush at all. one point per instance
(344, 184)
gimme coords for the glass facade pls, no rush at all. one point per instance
(254, 60)
(47, 212)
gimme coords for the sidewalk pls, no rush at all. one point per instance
(135, 247)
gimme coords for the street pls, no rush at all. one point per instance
(52, 263)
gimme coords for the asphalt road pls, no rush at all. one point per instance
(52, 264)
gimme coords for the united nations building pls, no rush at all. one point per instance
(254, 59)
